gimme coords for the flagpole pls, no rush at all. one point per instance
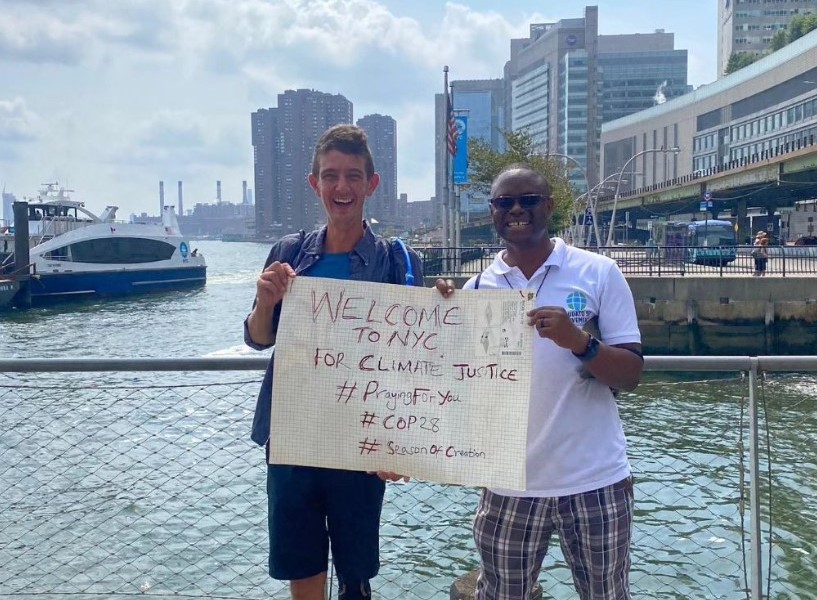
(455, 200)
(447, 160)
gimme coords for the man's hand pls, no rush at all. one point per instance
(389, 476)
(272, 284)
(445, 286)
(553, 322)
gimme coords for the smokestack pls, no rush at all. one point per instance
(181, 201)
(218, 192)
(244, 192)
(161, 197)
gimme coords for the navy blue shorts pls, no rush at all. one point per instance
(309, 508)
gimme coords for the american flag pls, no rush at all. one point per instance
(452, 132)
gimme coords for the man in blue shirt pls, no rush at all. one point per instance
(311, 508)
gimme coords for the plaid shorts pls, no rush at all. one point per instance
(595, 528)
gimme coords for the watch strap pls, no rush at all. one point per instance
(590, 351)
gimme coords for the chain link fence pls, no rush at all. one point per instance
(127, 483)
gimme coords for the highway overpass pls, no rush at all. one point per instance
(774, 179)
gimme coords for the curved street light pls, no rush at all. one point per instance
(675, 150)
(592, 199)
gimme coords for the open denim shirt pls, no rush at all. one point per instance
(372, 259)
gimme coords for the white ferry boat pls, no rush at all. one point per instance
(75, 253)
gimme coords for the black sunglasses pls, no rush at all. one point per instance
(525, 201)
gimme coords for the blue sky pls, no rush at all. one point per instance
(109, 97)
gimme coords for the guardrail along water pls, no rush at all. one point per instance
(129, 477)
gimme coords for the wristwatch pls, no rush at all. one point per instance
(590, 351)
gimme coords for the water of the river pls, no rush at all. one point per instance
(684, 433)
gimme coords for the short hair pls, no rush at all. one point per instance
(348, 139)
(542, 182)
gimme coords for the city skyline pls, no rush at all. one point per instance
(108, 99)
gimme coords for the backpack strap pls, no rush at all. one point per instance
(476, 283)
(401, 245)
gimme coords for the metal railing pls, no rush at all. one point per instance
(655, 261)
(137, 477)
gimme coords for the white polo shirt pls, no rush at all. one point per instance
(575, 439)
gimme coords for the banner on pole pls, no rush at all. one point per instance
(461, 157)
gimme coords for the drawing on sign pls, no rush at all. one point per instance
(381, 377)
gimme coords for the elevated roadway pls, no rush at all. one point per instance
(772, 180)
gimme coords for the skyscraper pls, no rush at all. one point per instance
(283, 140)
(639, 70)
(745, 26)
(565, 80)
(383, 206)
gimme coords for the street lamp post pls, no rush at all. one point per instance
(592, 198)
(674, 150)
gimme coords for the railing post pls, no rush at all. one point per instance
(756, 569)
(783, 258)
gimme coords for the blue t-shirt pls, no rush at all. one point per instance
(332, 266)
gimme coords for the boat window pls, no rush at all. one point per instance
(121, 250)
(57, 254)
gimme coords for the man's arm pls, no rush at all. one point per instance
(617, 361)
(618, 366)
(270, 288)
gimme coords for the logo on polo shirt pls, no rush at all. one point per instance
(577, 308)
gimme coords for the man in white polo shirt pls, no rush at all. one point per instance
(578, 476)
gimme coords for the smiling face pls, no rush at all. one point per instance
(517, 225)
(342, 185)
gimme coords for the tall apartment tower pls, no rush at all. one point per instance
(283, 140)
(565, 80)
(745, 26)
(381, 131)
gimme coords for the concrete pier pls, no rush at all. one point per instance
(727, 315)
(711, 315)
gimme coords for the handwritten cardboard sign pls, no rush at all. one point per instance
(397, 378)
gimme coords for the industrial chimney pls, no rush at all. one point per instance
(161, 198)
(181, 201)
(244, 192)
(218, 192)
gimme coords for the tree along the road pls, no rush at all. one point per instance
(799, 26)
(484, 163)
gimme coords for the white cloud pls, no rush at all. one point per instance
(40, 38)
(186, 139)
(17, 122)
